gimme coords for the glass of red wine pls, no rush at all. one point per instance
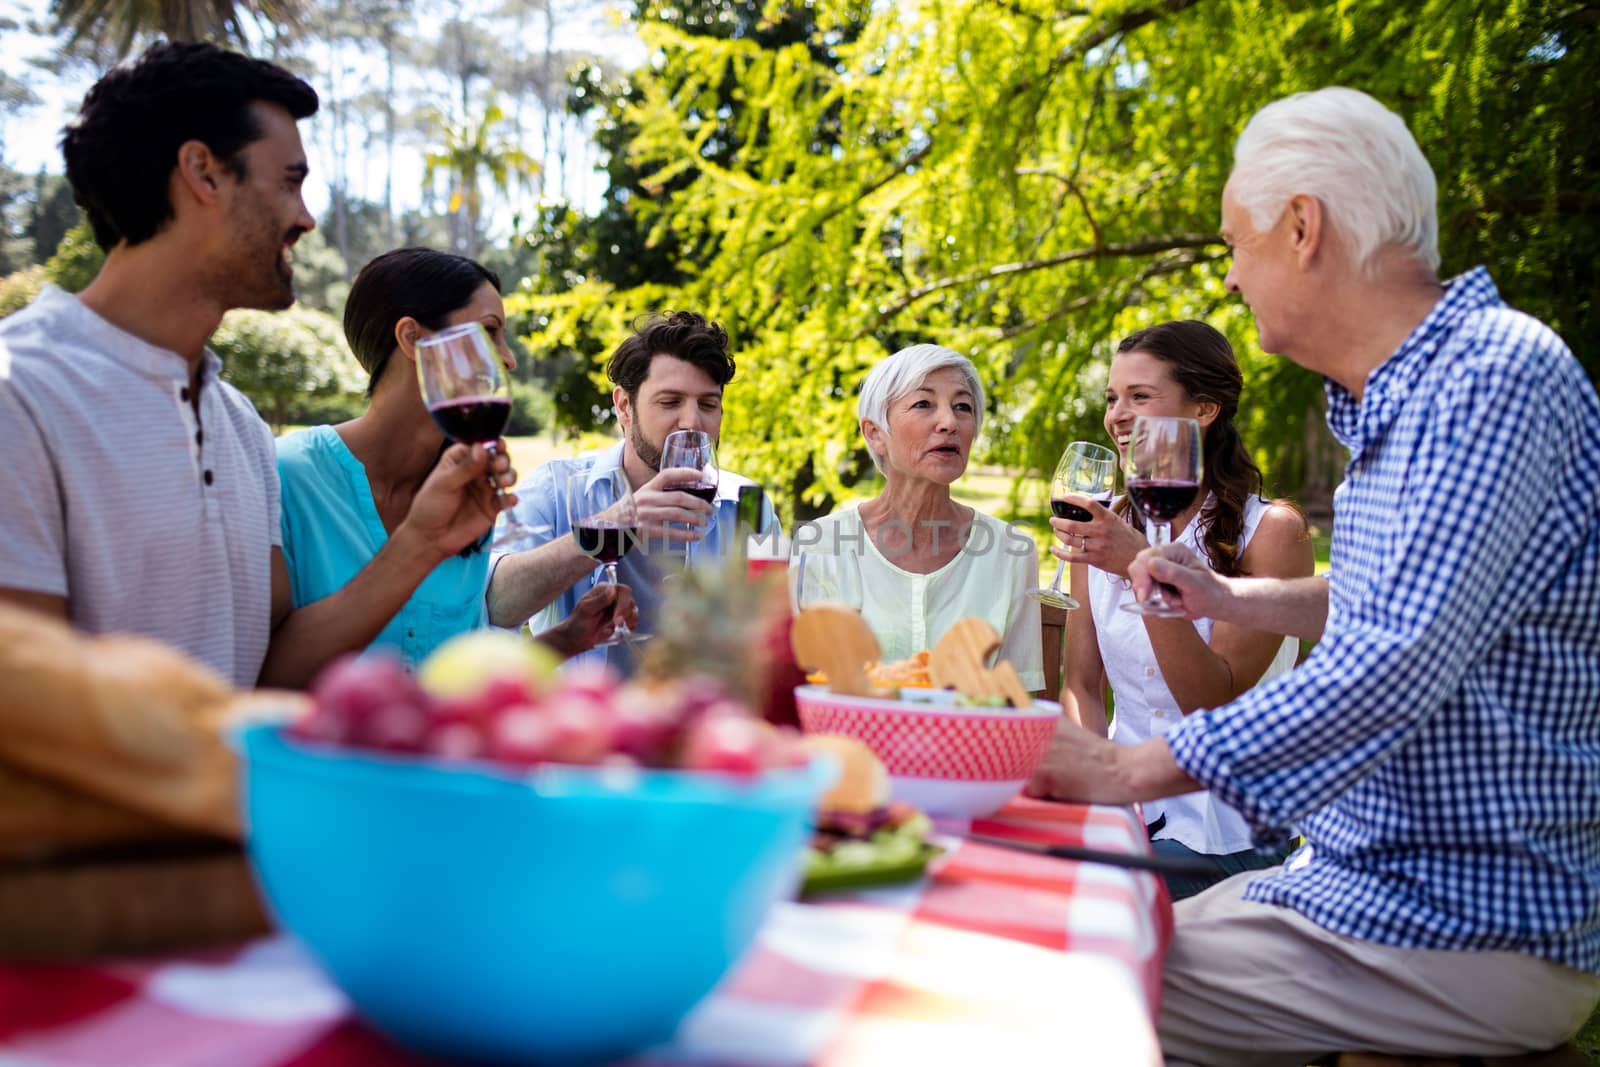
(605, 525)
(1162, 469)
(465, 387)
(696, 450)
(1085, 469)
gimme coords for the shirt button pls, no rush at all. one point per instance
(209, 478)
(1149, 672)
(185, 394)
(199, 437)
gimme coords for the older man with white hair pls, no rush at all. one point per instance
(1440, 750)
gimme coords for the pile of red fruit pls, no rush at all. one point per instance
(496, 696)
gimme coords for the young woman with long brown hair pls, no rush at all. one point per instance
(1161, 669)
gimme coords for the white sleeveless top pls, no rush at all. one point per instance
(1145, 707)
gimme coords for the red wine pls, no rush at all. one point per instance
(472, 420)
(708, 493)
(605, 542)
(1161, 499)
(1064, 510)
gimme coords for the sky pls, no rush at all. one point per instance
(28, 141)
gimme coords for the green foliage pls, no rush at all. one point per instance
(530, 410)
(121, 26)
(18, 289)
(472, 154)
(77, 259)
(319, 279)
(281, 359)
(1027, 184)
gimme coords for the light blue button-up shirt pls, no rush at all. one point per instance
(331, 530)
(542, 506)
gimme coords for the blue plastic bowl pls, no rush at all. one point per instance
(555, 917)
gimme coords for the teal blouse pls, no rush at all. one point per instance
(331, 530)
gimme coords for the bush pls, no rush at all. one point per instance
(328, 410)
(77, 259)
(531, 410)
(18, 290)
(285, 359)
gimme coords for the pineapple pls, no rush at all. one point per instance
(715, 622)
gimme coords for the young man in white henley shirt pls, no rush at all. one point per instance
(140, 491)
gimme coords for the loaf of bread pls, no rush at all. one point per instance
(124, 720)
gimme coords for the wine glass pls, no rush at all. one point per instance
(1162, 470)
(605, 525)
(694, 449)
(819, 575)
(465, 388)
(1085, 469)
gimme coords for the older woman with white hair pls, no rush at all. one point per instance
(911, 558)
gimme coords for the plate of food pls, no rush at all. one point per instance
(860, 837)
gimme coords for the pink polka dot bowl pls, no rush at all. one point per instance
(942, 758)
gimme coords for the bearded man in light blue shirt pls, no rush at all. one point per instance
(1440, 749)
(669, 374)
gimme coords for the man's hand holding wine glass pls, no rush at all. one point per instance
(667, 514)
(459, 501)
(1188, 585)
(599, 614)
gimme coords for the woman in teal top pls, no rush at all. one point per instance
(346, 488)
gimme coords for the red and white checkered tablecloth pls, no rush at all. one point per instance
(999, 957)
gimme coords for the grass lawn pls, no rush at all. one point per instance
(1588, 1039)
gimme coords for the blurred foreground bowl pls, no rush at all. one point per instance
(942, 758)
(568, 914)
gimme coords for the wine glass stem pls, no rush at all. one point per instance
(1061, 566)
(494, 475)
(1160, 534)
(621, 628)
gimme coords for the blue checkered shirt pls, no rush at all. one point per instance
(1440, 749)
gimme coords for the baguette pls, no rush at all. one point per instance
(122, 719)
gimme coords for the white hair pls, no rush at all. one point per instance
(1355, 156)
(905, 371)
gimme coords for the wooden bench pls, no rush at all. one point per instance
(1053, 631)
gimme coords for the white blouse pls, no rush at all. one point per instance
(834, 559)
(1145, 707)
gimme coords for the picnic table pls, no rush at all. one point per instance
(997, 956)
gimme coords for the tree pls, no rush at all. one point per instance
(1026, 184)
(472, 155)
(621, 248)
(120, 24)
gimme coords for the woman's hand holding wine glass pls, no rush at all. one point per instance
(1162, 470)
(1086, 470)
(459, 501)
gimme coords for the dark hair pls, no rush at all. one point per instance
(122, 147)
(422, 283)
(1202, 362)
(685, 335)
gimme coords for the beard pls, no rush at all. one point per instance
(259, 274)
(649, 454)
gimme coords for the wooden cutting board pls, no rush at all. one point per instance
(128, 901)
